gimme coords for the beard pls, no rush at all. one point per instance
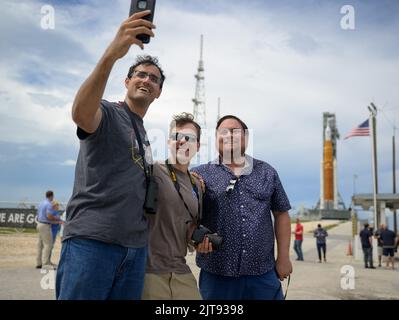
(139, 99)
(233, 154)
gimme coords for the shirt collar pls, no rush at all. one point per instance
(248, 167)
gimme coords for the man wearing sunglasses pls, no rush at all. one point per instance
(242, 194)
(179, 203)
(104, 246)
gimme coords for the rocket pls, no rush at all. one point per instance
(327, 173)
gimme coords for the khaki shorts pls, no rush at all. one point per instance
(170, 286)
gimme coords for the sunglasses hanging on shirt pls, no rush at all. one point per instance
(231, 185)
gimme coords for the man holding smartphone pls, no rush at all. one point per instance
(104, 251)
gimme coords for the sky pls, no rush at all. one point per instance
(277, 65)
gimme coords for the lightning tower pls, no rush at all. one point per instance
(218, 116)
(199, 101)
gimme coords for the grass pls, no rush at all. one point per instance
(331, 226)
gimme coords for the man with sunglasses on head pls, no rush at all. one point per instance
(242, 194)
(168, 277)
(104, 247)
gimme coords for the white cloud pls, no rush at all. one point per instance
(275, 67)
(69, 162)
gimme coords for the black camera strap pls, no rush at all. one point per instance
(173, 177)
(147, 168)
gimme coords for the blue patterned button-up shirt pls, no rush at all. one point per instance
(242, 217)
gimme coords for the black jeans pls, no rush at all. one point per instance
(321, 246)
(368, 257)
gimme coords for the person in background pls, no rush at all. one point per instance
(298, 239)
(45, 219)
(377, 235)
(389, 241)
(321, 242)
(366, 238)
(56, 225)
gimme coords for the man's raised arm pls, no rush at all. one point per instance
(86, 112)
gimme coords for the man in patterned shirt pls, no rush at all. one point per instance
(242, 194)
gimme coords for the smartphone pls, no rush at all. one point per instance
(141, 5)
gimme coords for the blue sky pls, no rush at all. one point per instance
(276, 64)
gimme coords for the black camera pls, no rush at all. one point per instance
(200, 233)
(151, 196)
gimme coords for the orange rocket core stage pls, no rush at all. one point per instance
(328, 170)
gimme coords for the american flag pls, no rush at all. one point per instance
(360, 131)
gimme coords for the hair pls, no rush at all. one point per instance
(147, 61)
(366, 225)
(183, 119)
(319, 225)
(229, 116)
(49, 194)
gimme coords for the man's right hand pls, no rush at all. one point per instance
(126, 35)
(86, 112)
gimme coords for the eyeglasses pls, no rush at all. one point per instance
(177, 136)
(143, 75)
(234, 131)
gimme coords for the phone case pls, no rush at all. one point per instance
(141, 5)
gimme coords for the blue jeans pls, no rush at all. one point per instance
(94, 270)
(263, 287)
(55, 228)
(298, 249)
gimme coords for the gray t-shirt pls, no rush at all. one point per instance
(169, 233)
(109, 189)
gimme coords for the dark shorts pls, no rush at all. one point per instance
(388, 252)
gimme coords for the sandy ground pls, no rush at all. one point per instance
(19, 249)
(310, 226)
(310, 279)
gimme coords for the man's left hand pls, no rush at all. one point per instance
(283, 268)
(205, 246)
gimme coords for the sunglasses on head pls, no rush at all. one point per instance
(177, 136)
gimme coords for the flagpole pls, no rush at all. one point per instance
(395, 225)
(373, 113)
